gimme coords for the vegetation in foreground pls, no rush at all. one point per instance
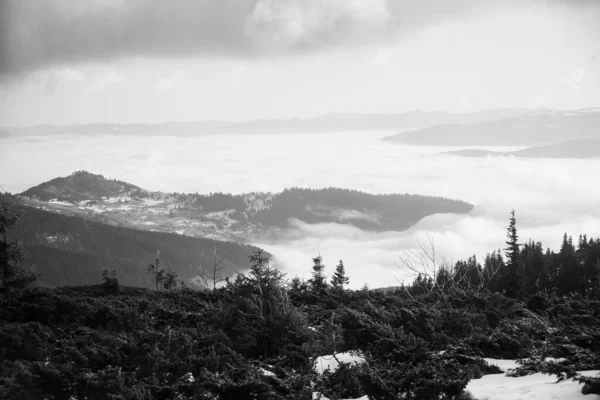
(257, 336)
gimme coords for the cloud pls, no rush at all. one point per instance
(61, 76)
(277, 25)
(110, 77)
(550, 197)
(36, 34)
(570, 82)
(168, 82)
(382, 56)
(573, 78)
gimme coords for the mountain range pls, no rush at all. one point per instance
(528, 129)
(335, 122)
(570, 149)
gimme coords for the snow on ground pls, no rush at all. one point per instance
(319, 396)
(60, 203)
(535, 386)
(150, 202)
(329, 362)
(266, 372)
(118, 199)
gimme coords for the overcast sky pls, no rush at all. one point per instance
(70, 61)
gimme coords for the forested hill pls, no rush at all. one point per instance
(367, 211)
(570, 149)
(235, 217)
(80, 186)
(73, 251)
(538, 128)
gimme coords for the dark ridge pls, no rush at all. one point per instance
(74, 251)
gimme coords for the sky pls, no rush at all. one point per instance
(67, 61)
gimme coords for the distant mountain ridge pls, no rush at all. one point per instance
(579, 149)
(335, 122)
(535, 128)
(227, 216)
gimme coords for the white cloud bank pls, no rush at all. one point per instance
(550, 197)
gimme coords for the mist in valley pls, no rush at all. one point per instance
(550, 197)
(179, 180)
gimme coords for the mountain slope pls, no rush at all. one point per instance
(570, 149)
(81, 185)
(234, 217)
(73, 251)
(525, 130)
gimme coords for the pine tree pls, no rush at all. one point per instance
(569, 271)
(319, 280)
(170, 280)
(339, 278)
(513, 279)
(110, 281)
(11, 252)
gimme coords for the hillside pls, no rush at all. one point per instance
(73, 251)
(537, 128)
(234, 217)
(570, 149)
(82, 185)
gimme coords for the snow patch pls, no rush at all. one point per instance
(319, 396)
(331, 363)
(266, 372)
(555, 360)
(535, 386)
(60, 203)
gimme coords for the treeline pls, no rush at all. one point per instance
(366, 211)
(521, 269)
(380, 212)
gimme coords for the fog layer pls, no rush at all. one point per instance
(550, 197)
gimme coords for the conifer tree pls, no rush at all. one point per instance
(513, 263)
(339, 278)
(319, 280)
(110, 281)
(11, 251)
(170, 279)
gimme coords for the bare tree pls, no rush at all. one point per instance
(211, 269)
(424, 262)
(155, 272)
(437, 272)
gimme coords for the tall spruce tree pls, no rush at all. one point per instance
(513, 280)
(319, 280)
(339, 278)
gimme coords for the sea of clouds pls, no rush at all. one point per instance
(550, 197)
